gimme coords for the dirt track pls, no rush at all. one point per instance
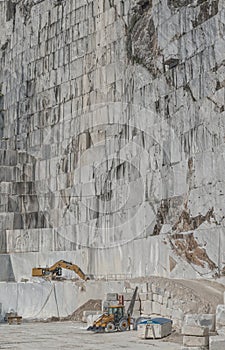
(203, 294)
(211, 291)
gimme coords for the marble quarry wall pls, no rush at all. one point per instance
(43, 300)
(112, 126)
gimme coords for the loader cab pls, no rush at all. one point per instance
(116, 311)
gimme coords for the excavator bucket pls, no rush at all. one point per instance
(91, 328)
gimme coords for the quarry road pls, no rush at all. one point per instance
(71, 335)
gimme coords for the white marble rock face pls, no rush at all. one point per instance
(112, 134)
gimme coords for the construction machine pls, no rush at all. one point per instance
(56, 270)
(115, 318)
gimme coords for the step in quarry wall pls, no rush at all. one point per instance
(42, 300)
(118, 108)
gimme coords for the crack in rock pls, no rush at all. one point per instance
(187, 247)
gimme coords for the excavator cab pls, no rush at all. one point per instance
(44, 272)
(57, 271)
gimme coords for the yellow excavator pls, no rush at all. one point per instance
(115, 318)
(56, 270)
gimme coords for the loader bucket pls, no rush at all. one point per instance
(99, 330)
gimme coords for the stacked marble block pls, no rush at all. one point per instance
(204, 331)
(195, 337)
(155, 300)
(220, 317)
(111, 299)
(218, 342)
(137, 305)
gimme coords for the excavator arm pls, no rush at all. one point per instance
(131, 306)
(57, 270)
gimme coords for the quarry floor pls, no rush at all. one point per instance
(72, 335)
